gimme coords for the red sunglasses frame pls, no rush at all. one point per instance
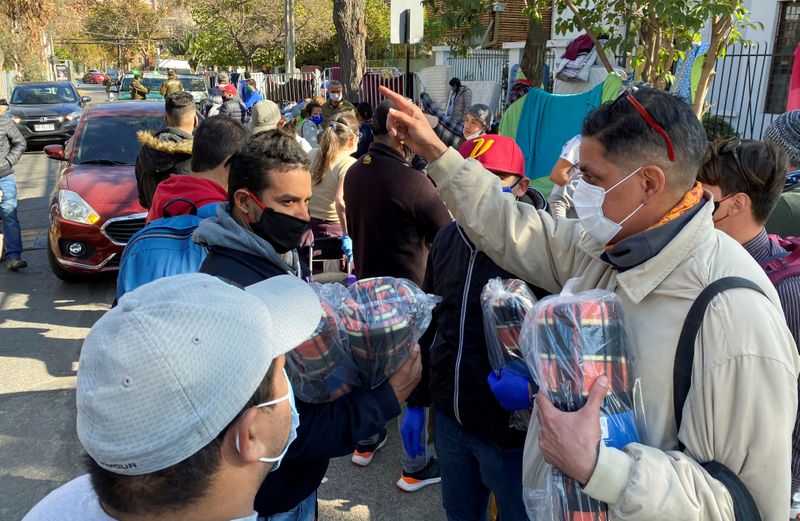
(652, 123)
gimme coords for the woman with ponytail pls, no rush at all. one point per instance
(329, 164)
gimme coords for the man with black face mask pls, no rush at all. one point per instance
(254, 237)
(257, 233)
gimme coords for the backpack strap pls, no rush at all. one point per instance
(744, 506)
(192, 206)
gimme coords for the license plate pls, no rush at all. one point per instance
(44, 128)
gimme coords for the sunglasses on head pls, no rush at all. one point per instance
(626, 94)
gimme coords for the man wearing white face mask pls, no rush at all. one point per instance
(645, 232)
(183, 402)
(336, 104)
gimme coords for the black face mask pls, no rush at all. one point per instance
(281, 230)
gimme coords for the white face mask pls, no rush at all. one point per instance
(472, 136)
(336, 97)
(588, 201)
(292, 432)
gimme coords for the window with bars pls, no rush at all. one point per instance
(786, 39)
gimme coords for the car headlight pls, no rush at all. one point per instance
(16, 119)
(73, 115)
(72, 207)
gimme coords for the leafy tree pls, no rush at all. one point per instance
(130, 21)
(22, 21)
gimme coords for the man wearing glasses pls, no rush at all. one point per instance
(645, 232)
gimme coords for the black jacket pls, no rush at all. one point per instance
(327, 430)
(235, 109)
(167, 152)
(457, 357)
(12, 145)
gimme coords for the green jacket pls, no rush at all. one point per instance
(138, 90)
(171, 85)
(329, 111)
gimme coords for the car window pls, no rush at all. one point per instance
(193, 84)
(151, 83)
(113, 139)
(43, 95)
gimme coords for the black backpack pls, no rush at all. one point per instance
(744, 507)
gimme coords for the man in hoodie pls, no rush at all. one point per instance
(478, 451)
(215, 141)
(168, 151)
(254, 237)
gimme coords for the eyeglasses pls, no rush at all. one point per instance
(731, 147)
(649, 119)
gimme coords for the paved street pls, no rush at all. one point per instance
(42, 324)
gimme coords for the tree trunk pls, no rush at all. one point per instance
(533, 56)
(348, 17)
(720, 30)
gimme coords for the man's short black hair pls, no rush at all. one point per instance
(310, 106)
(265, 154)
(173, 488)
(380, 118)
(364, 110)
(215, 140)
(628, 140)
(751, 167)
(179, 105)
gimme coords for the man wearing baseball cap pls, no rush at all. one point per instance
(183, 402)
(232, 105)
(478, 451)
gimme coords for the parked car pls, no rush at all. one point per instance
(94, 208)
(94, 76)
(194, 84)
(45, 112)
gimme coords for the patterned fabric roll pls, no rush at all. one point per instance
(383, 317)
(569, 341)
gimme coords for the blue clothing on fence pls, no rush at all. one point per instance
(683, 87)
(547, 122)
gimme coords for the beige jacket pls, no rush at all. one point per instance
(742, 404)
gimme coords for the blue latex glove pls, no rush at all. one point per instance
(511, 390)
(347, 247)
(411, 431)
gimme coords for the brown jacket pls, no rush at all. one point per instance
(138, 90)
(171, 85)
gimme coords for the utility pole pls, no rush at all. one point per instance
(289, 62)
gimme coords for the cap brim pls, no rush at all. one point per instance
(294, 308)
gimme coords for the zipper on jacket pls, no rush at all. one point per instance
(472, 255)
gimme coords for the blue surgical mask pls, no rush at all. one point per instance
(292, 431)
(316, 119)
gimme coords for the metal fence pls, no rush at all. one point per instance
(738, 93)
(484, 65)
(287, 87)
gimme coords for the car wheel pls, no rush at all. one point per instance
(58, 270)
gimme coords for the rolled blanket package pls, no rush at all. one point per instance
(505, 304)
(321, 368)
(568, 341)
(384, 317)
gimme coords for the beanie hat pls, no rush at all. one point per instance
(482, 113)
(784, 131)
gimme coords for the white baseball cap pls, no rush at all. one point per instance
(167, 369)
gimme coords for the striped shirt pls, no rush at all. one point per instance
(762, 248)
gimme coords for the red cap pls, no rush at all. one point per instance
(228, 89)
(498, 154)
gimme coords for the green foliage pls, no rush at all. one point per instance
(717, 127)
(133, 20)
(376, 18)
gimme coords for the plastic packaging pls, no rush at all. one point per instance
(568, 341)
(505, 304)
(321, 369)
(384, 317)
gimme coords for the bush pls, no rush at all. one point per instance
(717, 127)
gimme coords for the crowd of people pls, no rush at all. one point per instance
(184, 405)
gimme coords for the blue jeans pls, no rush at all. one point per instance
(305, 511)
(12, 235)
(471, 469)
(410, 464)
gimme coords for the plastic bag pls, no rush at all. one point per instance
(570, 340)
(384, 317)
(505, 304)
(321, 369)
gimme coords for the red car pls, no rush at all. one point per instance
(94, 76)
(95, 207)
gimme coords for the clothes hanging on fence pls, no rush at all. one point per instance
(793, 102)
(688, 76)
(547, 121)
